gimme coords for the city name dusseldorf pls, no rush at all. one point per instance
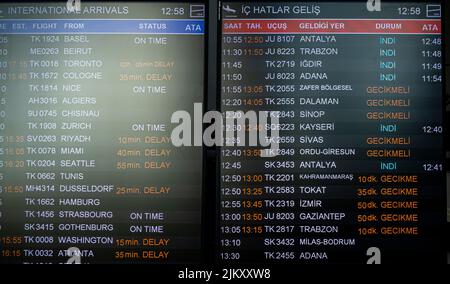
(213, 135)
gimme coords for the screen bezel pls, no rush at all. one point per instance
(205, 237)
(445, 238)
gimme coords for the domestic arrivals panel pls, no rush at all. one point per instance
(86, 156)
(357, 89)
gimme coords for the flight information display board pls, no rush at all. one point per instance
(358, 176)
(86, 159)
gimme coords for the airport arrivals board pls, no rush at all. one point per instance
(86, 155)
(357, 89)
(346, 98)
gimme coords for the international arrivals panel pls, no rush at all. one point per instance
(223, 133)
(87, 158)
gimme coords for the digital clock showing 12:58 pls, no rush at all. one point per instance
(173, 11)
(409, 11)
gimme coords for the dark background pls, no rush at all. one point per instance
(212, 86)
(447, 80)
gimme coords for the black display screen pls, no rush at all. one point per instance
(358, 93)
(226, 139)
(86, 157)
